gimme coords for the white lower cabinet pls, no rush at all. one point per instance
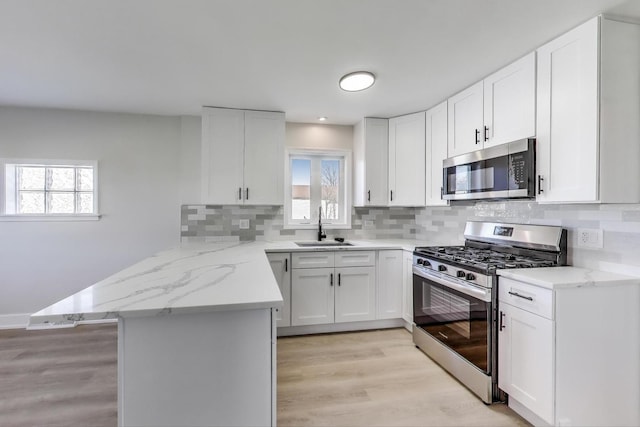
(389, 288)
(312, 296)
(525, 359)
(281, 266)
(568, 352)
(355, 295)
(333, 294)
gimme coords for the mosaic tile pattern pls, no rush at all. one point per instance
(621, 225)
(222, 223)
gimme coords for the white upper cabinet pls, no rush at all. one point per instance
(465, 121)
(436, 152)
(264, 135)
(222, 155)
(510, 103)
(371, 162)
(497, 110)
(587, 115)
(407, 160)
(242, 157)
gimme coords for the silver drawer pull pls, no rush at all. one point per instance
(443, 335)
(515, 294)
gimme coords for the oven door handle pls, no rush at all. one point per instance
(467, 289)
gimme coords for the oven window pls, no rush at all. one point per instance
(457, 320)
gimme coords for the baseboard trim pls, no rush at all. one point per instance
(340, 327)
(21, 321)
(14, 321)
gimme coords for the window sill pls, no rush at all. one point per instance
(42, 218)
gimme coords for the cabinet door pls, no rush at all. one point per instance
(525, 359)
(407, 287)
(264, 134)
(465, 121)
(390, 284)
(436, 152)
(371, 162)
(281, 266)
(355, 294)
(312, 293)
(567, 116)
(509, 103)
(407, 160)
(222, 155)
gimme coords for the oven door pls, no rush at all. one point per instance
(456, 313)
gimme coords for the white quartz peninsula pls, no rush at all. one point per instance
(196, 335)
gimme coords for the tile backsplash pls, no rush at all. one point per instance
(445, 225)
(222, 223)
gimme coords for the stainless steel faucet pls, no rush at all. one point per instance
(321, 235)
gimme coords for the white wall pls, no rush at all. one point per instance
(190, 162)
(309, 135)
(139, 196)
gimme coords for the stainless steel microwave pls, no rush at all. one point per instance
(502, 172)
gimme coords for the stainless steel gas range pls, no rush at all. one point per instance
(455, 291)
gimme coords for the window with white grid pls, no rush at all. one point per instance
(49, 188)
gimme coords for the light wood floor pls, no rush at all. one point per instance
(59, 377)
(375, 378)
(67, 377)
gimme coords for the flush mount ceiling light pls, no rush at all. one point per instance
(322, 119)
(359, 80)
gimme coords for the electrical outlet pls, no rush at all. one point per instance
(368, 223)
(591, 238)
(244, 224)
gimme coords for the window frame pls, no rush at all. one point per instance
(312, 223)
(5, 191)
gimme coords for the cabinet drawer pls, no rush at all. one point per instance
(533, 299)
(312, 259)
(356, 259)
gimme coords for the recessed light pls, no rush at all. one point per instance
(359, 80)
(322, 119)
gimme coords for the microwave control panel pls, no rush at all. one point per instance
(518, 170)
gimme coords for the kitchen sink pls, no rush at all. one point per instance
(322, 244)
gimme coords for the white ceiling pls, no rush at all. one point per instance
(173, 56)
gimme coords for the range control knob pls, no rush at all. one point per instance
(442, 268)
(420, 261)
(461, 273)
(426, 263)
(470, 276)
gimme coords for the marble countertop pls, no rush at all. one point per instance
(190, 278)
(567, 277)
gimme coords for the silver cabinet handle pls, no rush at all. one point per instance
(515, 294)
(239, 193)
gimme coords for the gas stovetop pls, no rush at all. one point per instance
(480, 259)
(491, 246)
